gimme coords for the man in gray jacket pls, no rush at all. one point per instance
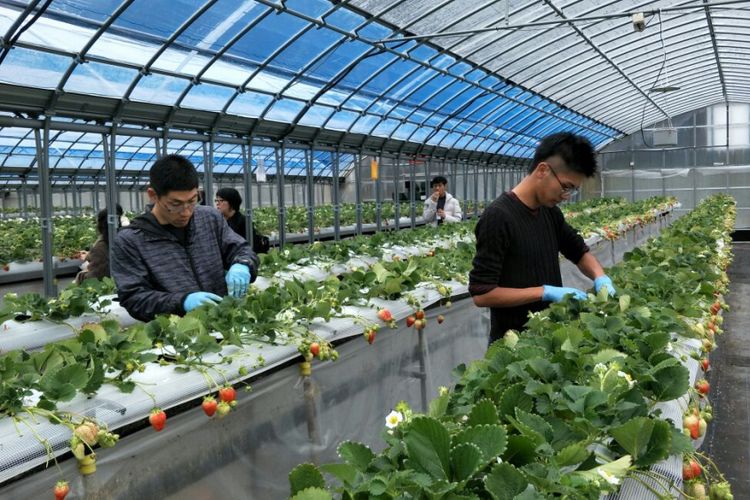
(173, 258)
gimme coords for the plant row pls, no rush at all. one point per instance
(569, 407)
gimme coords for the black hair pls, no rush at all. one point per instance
(101, 222)
(232, 196)
(575, 150)
(439, 179)
(172, 173)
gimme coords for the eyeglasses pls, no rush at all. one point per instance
(176, 208)
(219, 200)
(566, 190)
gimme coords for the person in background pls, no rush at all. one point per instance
(96, 260)
(228, 202)
(441, 206)
(178, 255)
(516, 268)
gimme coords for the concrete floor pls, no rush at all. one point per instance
(728, 437)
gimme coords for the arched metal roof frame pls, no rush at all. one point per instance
(174, 36)
(709, 13)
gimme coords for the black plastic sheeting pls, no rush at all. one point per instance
(728, 437)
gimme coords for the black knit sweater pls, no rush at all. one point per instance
(518, 247)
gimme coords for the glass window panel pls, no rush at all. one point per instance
(338, 59)
(365, 124)
(223, 21)
(316, 116)
(272, 83)
(306, 48)
(33, 68)
(284, 110)
(344, 19)
(100, 79)
(375, 65)
(207, 97)
(250, 104)
(267, 36)
(159, 89)
(386, 127)
(342, 120)
(311, 8)
(404, 131)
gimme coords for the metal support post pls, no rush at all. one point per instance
(396, 199)
(247, 182)
(310, 186)
(378, 196)
(110, 167)
(208, 170)
(45, 217)
(358, 190)
(280, 166)
(336, 206)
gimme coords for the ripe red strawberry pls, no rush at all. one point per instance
(410, 321)
(715, 307)
(691, 469)
(315, 349)
(370, 336)
(385, 315)
(6, 267)
(209, 405)
(705, 364)
(61, 490)
(157, 419)
(692, 423)
(702, 386)
(440, 319)
(419, 314)
(227, 394)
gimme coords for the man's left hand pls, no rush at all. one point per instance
(605, 280)
(238, 277)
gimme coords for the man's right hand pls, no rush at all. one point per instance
(435, 196)
(197, 299)
(557, 293)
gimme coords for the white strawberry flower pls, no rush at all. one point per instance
(600, 368)
(609, 477)
(393, 419)
(627, 377)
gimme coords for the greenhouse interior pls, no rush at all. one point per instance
(384, 249)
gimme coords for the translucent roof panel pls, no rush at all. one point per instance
(312, 63)
(587, 55)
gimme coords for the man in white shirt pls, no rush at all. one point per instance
(441, 206)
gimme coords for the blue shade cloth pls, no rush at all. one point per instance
(33, 68)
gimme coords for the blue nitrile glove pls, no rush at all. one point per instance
(238, 277)
(556, 293)
(196, 299)
(604, 281)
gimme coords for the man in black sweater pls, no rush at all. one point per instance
(516, 269)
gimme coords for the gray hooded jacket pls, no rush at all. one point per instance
(154, 271)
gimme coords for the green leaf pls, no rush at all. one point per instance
(305, 476)
(484, 412)
(624, 302)
(572, 455)
(606, 355)
(439, 405)
(515, 397)
(96, 380)
(343, 472)
(535, 423)
(466, 460)
(427, 443)
(505, 482)
(378, 486)
(647, 440)
(670, 383)
(356, 454)
(521, 450)
(313, 494)
(491, 439)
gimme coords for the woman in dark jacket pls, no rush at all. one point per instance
(97, 259)
(228, 202)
